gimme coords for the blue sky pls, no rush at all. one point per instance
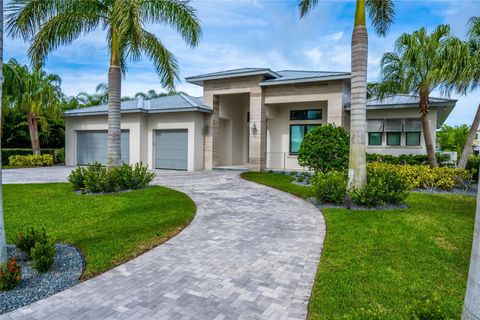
(259, 33)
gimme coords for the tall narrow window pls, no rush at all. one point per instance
(393, 128)
(375, 132)
(413, 129)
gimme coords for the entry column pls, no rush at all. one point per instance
(257, 130)
(211, 138)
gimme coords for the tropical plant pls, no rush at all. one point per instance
(50, 24)
(33, 93)
(453, 138)
(152, 94)
(420, 64)
(99, 97)
(381, 13)
(3, 242)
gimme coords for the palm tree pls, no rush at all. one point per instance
(470, 307)
(33, 93)
(470, 80)
(49, 24)
(3, 243)
(419, 66)
(381, 12)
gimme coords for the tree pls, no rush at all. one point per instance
(152, 94)
(469, 80)
(470, 307)
(453, 138)
(49, 24)
(3, 242)
(381, 13)
(33, 93)
(420, 64)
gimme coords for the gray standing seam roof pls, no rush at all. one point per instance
(177, 103)
(405, 99)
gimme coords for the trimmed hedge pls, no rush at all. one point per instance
(57, 154)
(31, 160)
(410, 159)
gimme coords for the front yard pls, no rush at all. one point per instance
(109, 228)
(386, 262)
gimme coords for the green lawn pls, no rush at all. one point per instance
(109, 229)
(384, 260)
(278, 181)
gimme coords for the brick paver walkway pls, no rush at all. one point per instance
(250, 253)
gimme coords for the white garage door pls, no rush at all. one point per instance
(171, 149)
(92, 146)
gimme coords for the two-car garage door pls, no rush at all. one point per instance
(171, 149)
(92, 146)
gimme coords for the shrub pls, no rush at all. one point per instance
(43, 255)
(8, 152)
(411, 159)
(98, 179)
(31, 160)
(384, 186)
(59, 155)
(325, 148)
(10, 274)
(473, 164)
(26, 241)
(425, 177)
(330, 187)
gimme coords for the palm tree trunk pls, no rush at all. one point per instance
(471, 307)
(114, 95)
(3, 243)
(33, 129)
(427, 133)
(357, 169)
(462, 163)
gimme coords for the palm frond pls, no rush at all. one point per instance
(305, 6)
(177, 14)
(474, 28)
(382, 13)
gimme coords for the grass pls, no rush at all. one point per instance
(278, 181)
(109, 229)
(382, 261)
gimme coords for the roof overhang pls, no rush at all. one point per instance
(200, 79)
(276, 82)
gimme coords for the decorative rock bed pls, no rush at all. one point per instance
(64, 273)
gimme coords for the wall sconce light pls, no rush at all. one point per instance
(254, 129)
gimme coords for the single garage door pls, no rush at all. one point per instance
(92, 146)
(171, 149)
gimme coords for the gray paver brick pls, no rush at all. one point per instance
(250, 253)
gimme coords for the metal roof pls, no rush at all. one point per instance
(404, 100)
(177, 103)
(242, 72)
(296, 76)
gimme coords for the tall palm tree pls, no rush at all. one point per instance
(470, 80)
(3, 243)
(49, 24)
(419, 66)
(33, 93)
(381, 13)
(471, 310)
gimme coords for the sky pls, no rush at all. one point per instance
(259, 33)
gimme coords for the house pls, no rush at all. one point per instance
(250, 117)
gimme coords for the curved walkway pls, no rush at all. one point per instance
(250, 253)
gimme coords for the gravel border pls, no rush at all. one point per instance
(355, 207)
(66, 271)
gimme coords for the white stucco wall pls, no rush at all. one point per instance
(142, 134)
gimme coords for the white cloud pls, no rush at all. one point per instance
(314, 55)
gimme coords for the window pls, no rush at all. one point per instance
(375, 138)
(393, 138)
(312, 114)
(297, 132)
(413, 138)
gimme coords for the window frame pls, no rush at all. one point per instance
(320, 111)
(399, 133)
(305, 131)
(419, 139)
(381, 138)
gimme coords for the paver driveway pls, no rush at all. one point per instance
(250, 253)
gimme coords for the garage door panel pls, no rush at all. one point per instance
(92, 146)
(171, 149)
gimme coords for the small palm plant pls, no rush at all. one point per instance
(381, 13)
(49, 24)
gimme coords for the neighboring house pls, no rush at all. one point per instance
(248, 117)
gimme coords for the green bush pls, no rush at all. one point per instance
(8, 152)
(31, 160)
(411, 159)
(43, 255)
(325, 148)
(98, 179)
(10, 274)
(59, 156)
(384, 187)
(26, 241)
(330, 187)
